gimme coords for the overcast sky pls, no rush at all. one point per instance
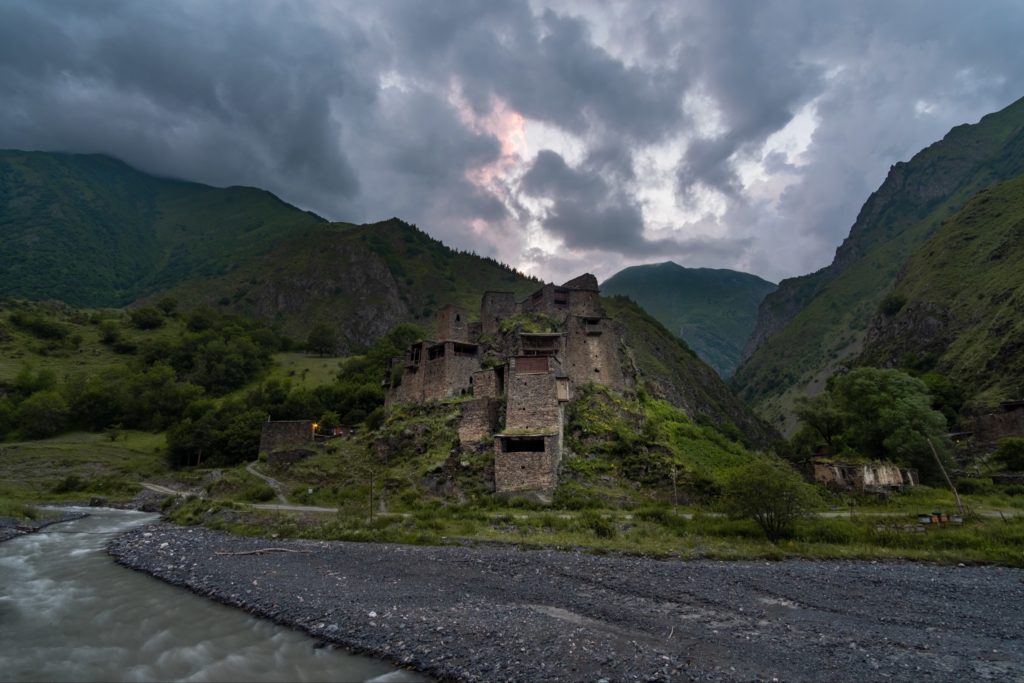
(558, 137)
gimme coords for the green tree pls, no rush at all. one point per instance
(823, 418)
(321, 340)
(42, 414)
(890, 415)
(1009, 453)
(770, 493)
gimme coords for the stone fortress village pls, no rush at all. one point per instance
(519, 381)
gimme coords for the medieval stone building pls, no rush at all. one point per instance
(519, 363)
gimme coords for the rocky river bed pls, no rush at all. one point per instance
(499, 613)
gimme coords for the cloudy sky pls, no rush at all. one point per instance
(558, 137)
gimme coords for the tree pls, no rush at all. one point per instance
(890, 415)
(321, 340)
(770, 493)
(1010, 453)
(42, 414)
(823, 417)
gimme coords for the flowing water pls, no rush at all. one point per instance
(68, 612)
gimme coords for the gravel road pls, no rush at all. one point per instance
(498, 613)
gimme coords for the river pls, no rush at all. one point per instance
(69, 613)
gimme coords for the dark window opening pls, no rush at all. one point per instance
(465, 350)
(435, 352)
(457, 317)
(523, 445)
(414, 354)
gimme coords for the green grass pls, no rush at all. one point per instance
(304, 370)
(654, 532)
(82, 352)
(77, 466)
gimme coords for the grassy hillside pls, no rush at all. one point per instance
(713, 310)
(816, 324)
(668, 369)
(958, 306)
(92, 231)
(361, 280)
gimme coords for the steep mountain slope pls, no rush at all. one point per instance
(958, 306)
(361, 280)
(815, 324)
(670, 370)
(713, 310)
(92, 231)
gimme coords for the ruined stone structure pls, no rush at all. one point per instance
(864, 478)
(519, 380)
(989, 429)
(283, 442)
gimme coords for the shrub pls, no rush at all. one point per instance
(1010, 453)
(147, 318)
(892, 304)
(596, 522)
(771, 494)
(970, 486)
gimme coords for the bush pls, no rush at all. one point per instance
(40, 327)
(596, 522)
(892, 304)
(1009, 453)
(970, 486)
(771, 494)
(147, 318)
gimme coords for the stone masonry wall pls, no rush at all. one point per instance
(286, 435)
(485, 383)
(495, 307)
(988, 429)
(452, 324)
(536, 471)
(532, 403)
(594, 357)
(478, 421)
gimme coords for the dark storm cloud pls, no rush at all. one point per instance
(586, 212)
(364, 111)
(546, 67)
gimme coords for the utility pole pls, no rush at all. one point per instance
(949, 481)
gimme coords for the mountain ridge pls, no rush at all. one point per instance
(712, 309)
(815, 325)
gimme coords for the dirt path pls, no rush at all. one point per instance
(494, 613)
(273, 483)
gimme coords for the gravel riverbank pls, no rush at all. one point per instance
(495, 613)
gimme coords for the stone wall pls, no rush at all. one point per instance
(479, 421)
(516, 471)
(586, 303)
(532, 401)
(488, 383)
(593, 353)
(495, 307)
(285, 435)
(452, 324)
(989, 429)
(861, 477)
